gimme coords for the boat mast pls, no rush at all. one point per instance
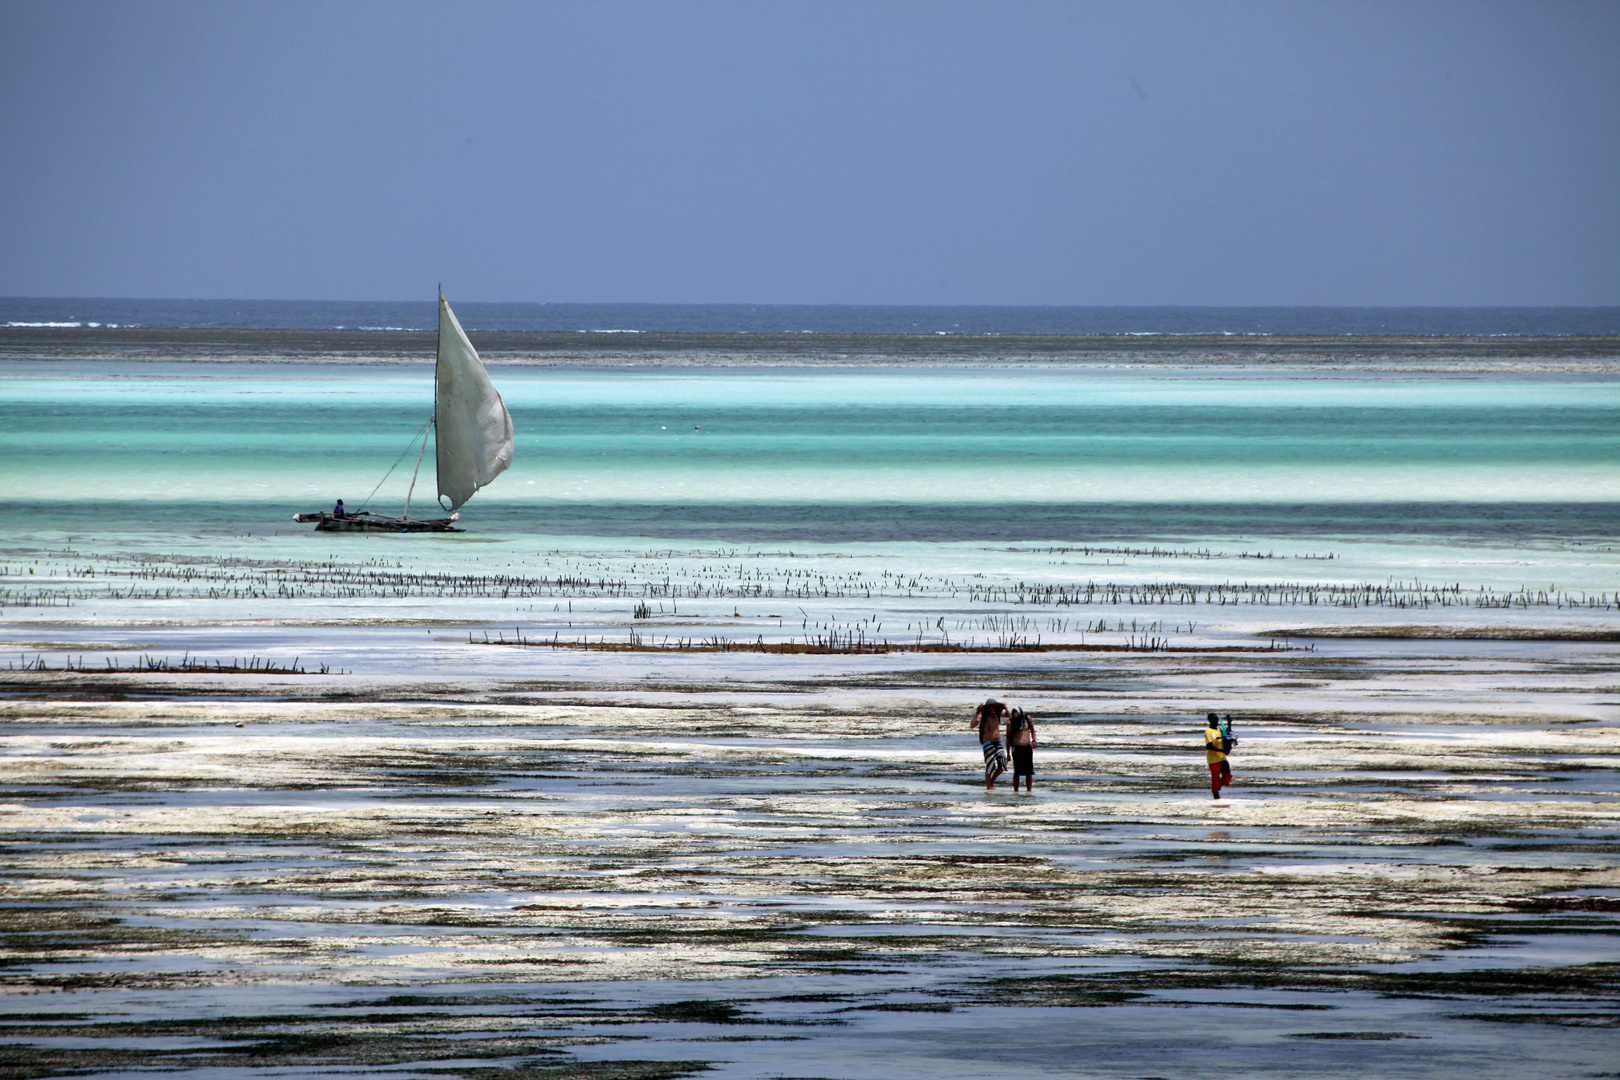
(420, 454)
(431, 420)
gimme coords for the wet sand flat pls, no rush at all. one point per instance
(776, 869)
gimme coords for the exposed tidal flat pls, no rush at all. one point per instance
(541, 799)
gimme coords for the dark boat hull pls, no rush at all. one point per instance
(376, 523)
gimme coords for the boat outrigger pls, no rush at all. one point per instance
(472, 440)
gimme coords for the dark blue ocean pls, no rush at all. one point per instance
(810, 318)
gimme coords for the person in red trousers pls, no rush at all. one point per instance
(1216, 746)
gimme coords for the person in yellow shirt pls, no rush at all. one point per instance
(1217, 744)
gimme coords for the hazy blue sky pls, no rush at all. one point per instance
(1046, 153)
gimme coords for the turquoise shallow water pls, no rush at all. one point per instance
(829, 452)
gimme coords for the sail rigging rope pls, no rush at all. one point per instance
(395, 465)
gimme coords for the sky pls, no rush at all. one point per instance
(1357, 153)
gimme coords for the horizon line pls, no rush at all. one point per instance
(805, 304)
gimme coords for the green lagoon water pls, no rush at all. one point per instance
(826, 453)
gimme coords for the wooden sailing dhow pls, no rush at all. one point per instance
(472, 439)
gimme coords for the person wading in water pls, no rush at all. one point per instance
(1217, 743)
(1021, 741)
(987, 718)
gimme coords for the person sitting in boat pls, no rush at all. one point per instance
(338, 511)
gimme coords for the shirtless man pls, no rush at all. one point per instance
(987, 718)
(1021, 741)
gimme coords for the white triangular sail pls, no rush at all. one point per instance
(474, 431)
